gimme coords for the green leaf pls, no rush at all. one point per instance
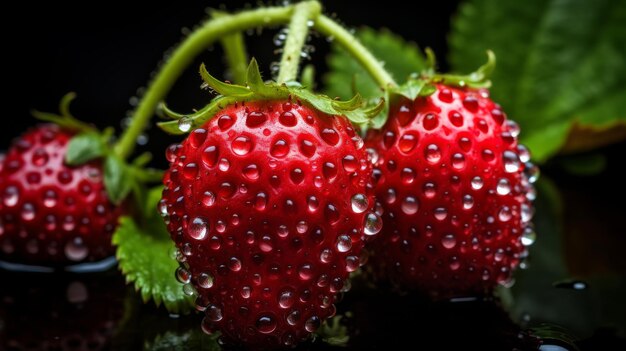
(84, 147)
(221, 87)
(64, 118)
(116, 179)
(143, 252)
(559, 63)
(401, 59)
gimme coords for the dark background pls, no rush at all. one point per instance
(105, 51)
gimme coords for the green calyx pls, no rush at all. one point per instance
(423, 84)
(256, 89)
(64, 118)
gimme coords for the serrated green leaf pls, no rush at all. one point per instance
(560, 62)
(221, 87)
(401, 59)
(143, 252)
(84, 147)
(116, 179)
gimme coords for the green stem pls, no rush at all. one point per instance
(296, 38)
(236, 56)
(330, 28)
(214, 30)
(184, 55)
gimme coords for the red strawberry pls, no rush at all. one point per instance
(269, 204)
(50, 213)
(455, 196)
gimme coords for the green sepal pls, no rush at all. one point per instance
(355, 109)
(117, 180)
(84, 148)
(64, 119)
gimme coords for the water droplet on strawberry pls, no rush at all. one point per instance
(468, 202)
(431, 121)
(288, 119)
(330, 136)
(260, 201)
(344, 243)
(504, 215)
(389, 139)
(296, 175)
(440, 213)
(445, 95)
(205, 280)
(470, 103)
(488, 155)
(513, 128)
(197, 137)
(280, 148)
(359, 203)
(373, 224)
(330, 171)
(407, 175)
(448, 241)
(241, 145)
(286, 299)
(40, 157)
(432, 153)
(350, 163)
(76, 250)
(312, 203)
(511, 161)
(214, 313)
(293, 317)
(390, 196)
(503, 187)
(251, 171)
(234, 264)
(458, 161)
(28, 212)
(255, 119)
(198, 228)
(11, 196)
(224, 122)
(182, 275)
(190, 171)
(312, 324)
(528, 236)
(409, 205)
(209, 156)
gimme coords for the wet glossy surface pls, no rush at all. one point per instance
(570, 296)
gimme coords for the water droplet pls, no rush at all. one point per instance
(197, 137)
(50, 198)
(389, 139)
(234, 264)
(255, 119)
(260, 201)
(214, 313)
(331, 213)
(432, 153)
(523, 153)
(455, 118)
(410, 205)
(307, 148)
(513, 127)
(391, 196)
(286, 299)
(40, 157)
(225, 122)
(251, 171)
(241, 145)
(429, 189)
(468, 202)
(198, 228)
(326, 255)
(28, 212)
(287, 119)
(312, 324)
(445, 95)
(280, 148)
(190, 171)
(293, 317)
(205, 280)
(313, 203)
(407, 175)
(76, 250)
(430, 121)
(11, 196)
(182, 275)
(184, 124)
(458, 161)
(526, 213)
(296, 175)
(503, 187)
(405, 115)
(448, 241)
(305, 272)
(373, 224)
(329, 170)
(189, 290)
(209, 156)
(511, 161)
(330, 136)
(470, 103)
(359, 203)
(488, 155)
(344, 243)
(528, 236)
(440, 213)
(477, 183)
(504, 215)
(350, 164)
(531, 171)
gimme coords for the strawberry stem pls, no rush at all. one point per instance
(225, 25)
(236, 56)
(296, 38)
(343, 37)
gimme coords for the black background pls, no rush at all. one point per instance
(105, 51)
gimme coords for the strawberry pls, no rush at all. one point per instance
(454, 192)
(51, 213)
(269, 203)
